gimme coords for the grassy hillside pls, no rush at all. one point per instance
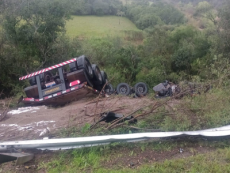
(89, 26)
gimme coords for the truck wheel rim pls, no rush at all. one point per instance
(123, 90)
(141, 88)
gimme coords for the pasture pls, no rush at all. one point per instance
(95, 26)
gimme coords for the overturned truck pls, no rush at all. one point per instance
(73, 80)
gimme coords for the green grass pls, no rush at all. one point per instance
(98, 159)
(95, 26)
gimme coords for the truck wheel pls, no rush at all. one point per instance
(141, 89)
(83, 63)
(104, 78)
(123, 89)
(97, 77)
(32, 91)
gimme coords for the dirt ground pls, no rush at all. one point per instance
(39, 121)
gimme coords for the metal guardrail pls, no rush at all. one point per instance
(80, 142)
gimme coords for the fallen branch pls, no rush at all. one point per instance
(154, 107)
(118, 120)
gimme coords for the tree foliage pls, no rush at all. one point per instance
(224, 30)
(148, 16)
(30, 31)
(96, 7)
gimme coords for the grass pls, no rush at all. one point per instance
(95, 26)
(101, 159)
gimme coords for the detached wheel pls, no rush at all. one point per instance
(97, 77)
(83, 63)
(141, 89)
(123, 89)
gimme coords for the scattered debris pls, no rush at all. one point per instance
(45, 131)
(166, 89)
(111, 116)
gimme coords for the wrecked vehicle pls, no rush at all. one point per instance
(73, 80)
(166, 89)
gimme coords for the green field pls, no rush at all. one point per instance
(90, 26)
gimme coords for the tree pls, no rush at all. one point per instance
(30, 31)
(223, 45)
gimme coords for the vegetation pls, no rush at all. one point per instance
(33, 35)
(98, 159)
(148, 16)
(96, 7)
(164, 44)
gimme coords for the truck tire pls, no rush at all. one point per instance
(104, 78)
(97, 77)
(141, 89)
(83, 63)
(32, 91)
(123, 89)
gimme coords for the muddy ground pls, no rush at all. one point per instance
(39, 121)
